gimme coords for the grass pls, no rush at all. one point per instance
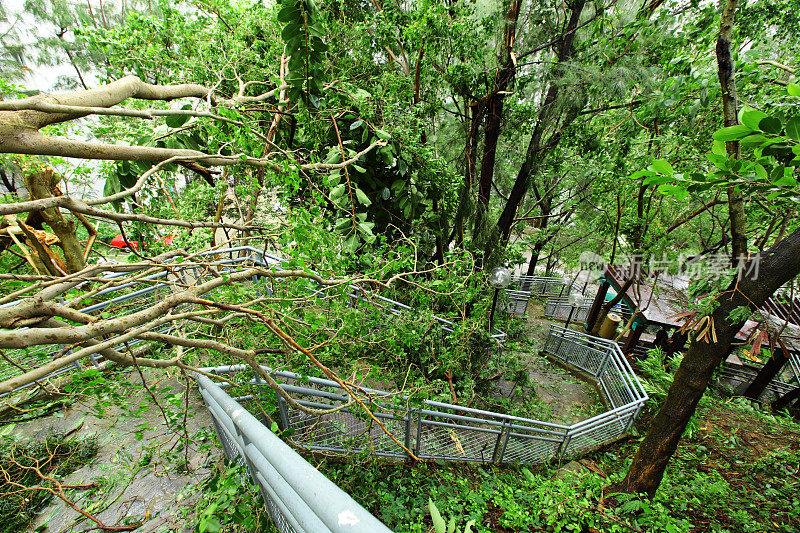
(738, 473)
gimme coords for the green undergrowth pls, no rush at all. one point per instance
(737, 473)
(230, 502)
(27, 471)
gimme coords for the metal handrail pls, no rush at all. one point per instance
(307, 499)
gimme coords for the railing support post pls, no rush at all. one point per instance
(500, 443)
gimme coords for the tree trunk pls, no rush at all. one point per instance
(778, 265)
(729, 110)
(548, 117)
(503, 79)
(767, 372)
(42, 184)
(604, 310)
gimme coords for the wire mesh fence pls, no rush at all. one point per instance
(298, 498)
(522, 288)
(739, 376)
(560, 308)
(400, 426)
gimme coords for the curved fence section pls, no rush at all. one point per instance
(127, 297)
(603, 361)
(440, 431)
(297, 496)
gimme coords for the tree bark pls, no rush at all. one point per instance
(503, 79)
(729, 110)
(778, 265)
(41, 185)
(606, 307)
(767, 372)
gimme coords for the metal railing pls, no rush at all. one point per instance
(440, 431)
(519, 292)
(130, 297)
(541, 285)
(297, 496)
(740, 375)
(561, 309)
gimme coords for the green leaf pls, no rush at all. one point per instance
(793, 129)
(732, 133)
(679, 193)
(770, 125)
(338, 191)
(761, 172)
(752, 140)
(436, 517)
(793, 89)
(290, 31)
(719, 161)
(752, 118)
(288, 14)
(785, 181)
(176, 121)
(662, 167)
(351, 244)
(641, 173)
(362, 197)
(360, 170)
(355, 125)
(657, 180)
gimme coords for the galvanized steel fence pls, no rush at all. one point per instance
(298, 498)
(788, 379)
(560, 308)
(519, 292)
(441, 431)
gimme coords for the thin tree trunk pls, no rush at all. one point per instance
(778, 265)
(729, 110)
(767, 372)
(503, 79)
(547, 118)
(604, 310)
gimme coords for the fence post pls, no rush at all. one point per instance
(407, 440)
(283, 410)
(418, 444)
(603, 363)
(498, 444)
(562, 450)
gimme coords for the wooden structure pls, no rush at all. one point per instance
(658, 300)
(661, 302)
